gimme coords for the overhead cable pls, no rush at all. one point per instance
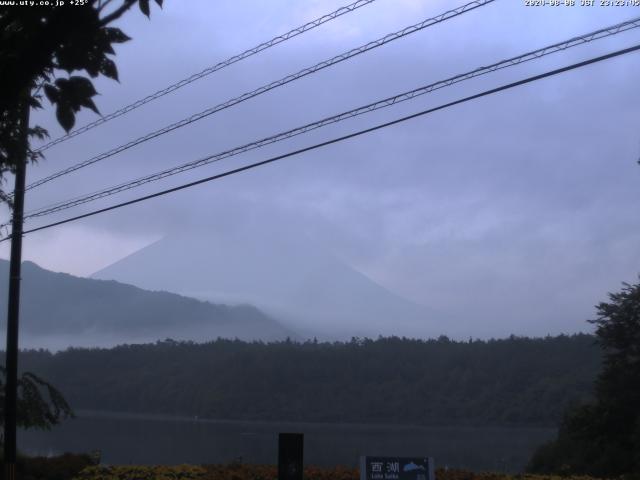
(268, 87)
(380, 104)
(342, 138)
(209, 70)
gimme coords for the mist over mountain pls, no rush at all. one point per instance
(289, 276)
(58, 310)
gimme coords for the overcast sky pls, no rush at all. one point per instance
(519, 210)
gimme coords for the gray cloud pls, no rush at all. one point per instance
(515, 212)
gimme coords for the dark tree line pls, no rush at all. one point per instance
(602, 437)
(511, 381)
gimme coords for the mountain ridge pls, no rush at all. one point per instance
(57, 306)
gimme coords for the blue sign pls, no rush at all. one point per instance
(396, 468)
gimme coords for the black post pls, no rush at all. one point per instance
(13, 313)
(290, 456)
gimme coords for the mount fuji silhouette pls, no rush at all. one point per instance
(287, 275)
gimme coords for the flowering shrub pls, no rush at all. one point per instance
(134, 472)
(467, 475)
(236, 471)
(270, 472)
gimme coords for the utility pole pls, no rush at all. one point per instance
(13, 313)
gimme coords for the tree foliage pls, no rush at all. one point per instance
(42, 50)
(603, 438)
(519, 381)
(40, 405)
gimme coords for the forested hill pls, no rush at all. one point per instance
(511, 381)
(58, 308)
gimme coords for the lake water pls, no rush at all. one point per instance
(147, 439)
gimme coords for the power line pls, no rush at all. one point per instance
(342, 138)
(265, 88)
(387, 102)
(212, 69)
